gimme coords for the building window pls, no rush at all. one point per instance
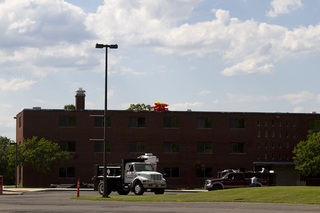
(204, 123)
(314, 125)
(236, 148)
(99, 121)
(137, 147)
(65, 120)
(98, 146)
(137, 122)
(204, 172)
(171, 122)
(205, 148)
(67, 172)
(69, 146)
(237, 123)
(20, 123)
(171, 172)
(170, 147)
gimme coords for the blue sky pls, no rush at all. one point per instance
(204, 55)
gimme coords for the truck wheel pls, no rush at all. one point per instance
(122, 192)
(101, 188)
(159, 191)
(138, 188)
(217, 187)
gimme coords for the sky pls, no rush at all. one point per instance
(203, 55)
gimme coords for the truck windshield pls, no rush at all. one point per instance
(143, 167)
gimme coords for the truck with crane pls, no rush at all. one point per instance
(131, 175)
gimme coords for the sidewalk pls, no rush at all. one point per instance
(20, 191)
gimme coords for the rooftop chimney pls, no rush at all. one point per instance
(80, 95)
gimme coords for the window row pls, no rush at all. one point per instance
(273, 156)
(168, 147)
(276, 123)
(273, 145)
(174, 172)
(140, 122)
(274, 134)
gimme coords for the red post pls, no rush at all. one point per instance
(1, 184)
(78, 187)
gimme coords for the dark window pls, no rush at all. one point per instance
(169, 147)
(314, 125)
(99, 121)
(171, 172)
(237, 148)
(204, 172)
(99, 146)
(20, 122)
(204, 148)
(137, 147)
(65, 120)
(69, 146)
(67, 172)
(237, 123)
(204, 123)
(171, 122)
(137, 122)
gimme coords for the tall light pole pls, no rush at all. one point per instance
(111, 46)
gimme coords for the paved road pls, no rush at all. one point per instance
(59, 201)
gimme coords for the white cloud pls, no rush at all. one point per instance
(297, 109)
(248, 67)
(298, 97)
(283, 7)
(318, 98)
(43, 36)
(204, 92)
(15, 84)
(49, 35)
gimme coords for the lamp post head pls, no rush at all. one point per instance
(111, 46)
(99, 45)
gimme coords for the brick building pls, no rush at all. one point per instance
(190, 145)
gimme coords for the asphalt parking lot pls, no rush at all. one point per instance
(59, 201)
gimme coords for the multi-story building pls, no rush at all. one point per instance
(190, 145)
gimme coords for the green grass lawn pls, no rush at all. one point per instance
(293, 194)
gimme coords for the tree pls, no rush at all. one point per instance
(307, 155)
(69, 107)
(139, 107)
(40, 154)
(5, 169)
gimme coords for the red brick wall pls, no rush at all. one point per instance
(45, 123)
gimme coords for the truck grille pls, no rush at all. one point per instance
(156, 177)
